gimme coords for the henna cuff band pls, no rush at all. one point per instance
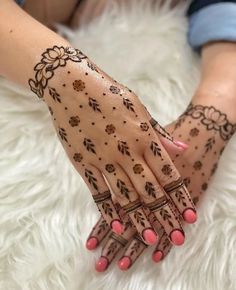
(119, 239)
(157, 204)
(101, 197)
(132, 206)
(173, 185)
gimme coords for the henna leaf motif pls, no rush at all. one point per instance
(155, 149)
(123, 147)
(54, 94)
(139, 218)
(94, 105)
(128, 104)
(150, 189)
(91, 179)
(209, 144)
(134, 249)
(166, 216)
(123, 189)
(107, 209)
(180, 197)
(102, 227)
(63, 134)
(166, 243)
(89, 145)
(111, 249)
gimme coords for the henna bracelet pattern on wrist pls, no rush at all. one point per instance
(211, 118)
(52, 58)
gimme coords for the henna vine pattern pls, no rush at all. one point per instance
(112, 248)
(54, 94)
(107, 209)
(211, 118)
(150, 189)
(210, 143)
(51, 59)
(102, 227)
(63, 134)
(139, 218)
(123, 147)
(128, 104)
(94, 105)
(91, 179)
(89, 145)
(92, 66)
(135, 248)
(155, 149)
(123, 189)
(166, 216)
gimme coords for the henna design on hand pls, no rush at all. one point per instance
(54, 94)
(78, 85)
(110, 129)
(92, 66)
(166, 216)
(94, 105)
(78, 157)
(139, 218)
(123, 147)
(74, 121)
(150, 189)
(63, 134)
(110, 168)
(89, 145)
(128, 104)
(144, 126)
(155, 149)
(210, 143)
(162, 131)
(123, 189)
(166, 169)
(51, 59)
(118, 238)
(138, 169)
(114, 89)
(194, 132)
(91, 179)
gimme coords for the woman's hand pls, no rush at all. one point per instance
(206, 130)
(106, 132)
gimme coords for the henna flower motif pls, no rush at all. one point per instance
(197, 165)
(74, 121)
(56, 57)
(194, 132)
(114, 89)
(144, 126)
(138, 168)
(110, 168)
(78, 85)
(166, 169)
(78, 157)
(213, 119)
(110, 129)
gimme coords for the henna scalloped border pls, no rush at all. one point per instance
(51, 59)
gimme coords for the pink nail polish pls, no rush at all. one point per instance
(157, 256)
(91, 243)
(180, 144)
(177, 237)
(190, 216)
(117, 227)
(150, 236)
(101, 264)
(124, 263)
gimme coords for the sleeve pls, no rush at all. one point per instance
(210, 21)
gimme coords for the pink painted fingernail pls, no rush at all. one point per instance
(190, 216)
(157, 256)
(124, 263)
(180, 144)
(177, 237)
(117, 227)
(150, 236)
(101, 264)
(91, 243)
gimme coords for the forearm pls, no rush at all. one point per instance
(218, 74)
(22, 41)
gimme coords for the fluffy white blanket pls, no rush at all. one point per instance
(46, 211)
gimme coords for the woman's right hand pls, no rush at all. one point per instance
(108, 135)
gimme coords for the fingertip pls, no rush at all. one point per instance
(117, 227)
(91, 243)
(150, 236)
(190, 215)
(101, 264)
(124, 263)
(157, 256)
(177, 237)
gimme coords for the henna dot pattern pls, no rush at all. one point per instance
(138, 168)
(74, 121)
(78, 85)
(78, 157)
(110, 168)
(166, 169)
(144, 126)
(110, 129)
(114, 89)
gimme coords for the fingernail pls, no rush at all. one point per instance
(117, 227)
(177, 237)
(91, 243)
(124, 263)
(101, 264)
(150, 236)
(190, 216)
(157, 256)
(180, 144)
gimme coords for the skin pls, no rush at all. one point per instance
(206, 126)
(92, 115)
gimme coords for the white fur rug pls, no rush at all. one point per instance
(46, 212)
